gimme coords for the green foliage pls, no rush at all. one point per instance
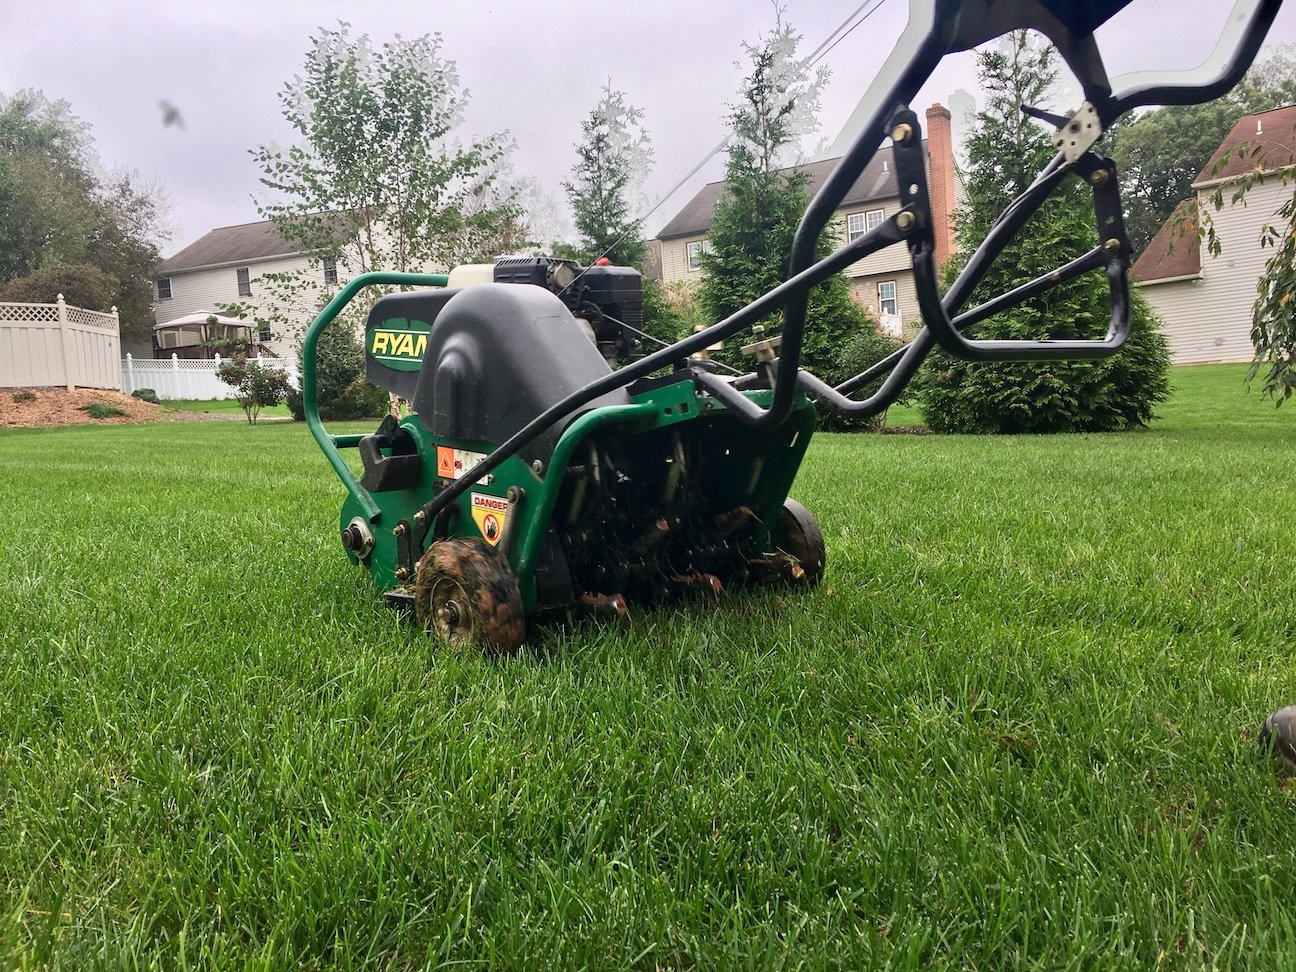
(605, 191)
(24, 395)
(756, 218)
(1005, 151)
(341, 388)
(146, 395)
(102, 410)
(1160, 153)
(81, 284)
(256, 386)
(59, 209)
(379, 179)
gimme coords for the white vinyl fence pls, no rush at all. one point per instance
(176, 378)
(58, 344)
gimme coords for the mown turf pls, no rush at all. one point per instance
(1013, 729)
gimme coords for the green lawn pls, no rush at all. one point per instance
(1014, 728)
(222, 406)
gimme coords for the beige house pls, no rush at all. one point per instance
(1205, 302)
(882, 282)
(227, 266)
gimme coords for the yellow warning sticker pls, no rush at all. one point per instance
(490, 513)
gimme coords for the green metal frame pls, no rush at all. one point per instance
(330, 444)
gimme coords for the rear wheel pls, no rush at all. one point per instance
(797, 534)
(466, 594)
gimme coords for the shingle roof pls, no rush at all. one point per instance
(1270, 136)
(230, 244)
(1175, 251)
(877, 181)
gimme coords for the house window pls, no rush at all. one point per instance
(244, 282)
(887, 297)
(330, 273)
(857, 224)
(263, 335)
(164, 288)
(695, 251)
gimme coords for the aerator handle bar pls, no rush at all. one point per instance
(936, 28)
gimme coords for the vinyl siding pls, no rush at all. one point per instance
(864, 290)
(1210, 319)
(195, 290)
(890, 260)
(674, 259)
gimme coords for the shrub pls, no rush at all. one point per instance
(80, 284)
(24, 395)
(146, 395)
(256, 386)
(341, 389)
(102, 410)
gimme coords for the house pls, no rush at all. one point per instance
(882, 283)
(227, 266)
(1205, 302)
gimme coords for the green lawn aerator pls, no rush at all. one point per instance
(532, 476)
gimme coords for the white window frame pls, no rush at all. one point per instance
(893, 300)
(694, 251)
(857, 224)
(243, 280)
(164, 281)
(330, 272)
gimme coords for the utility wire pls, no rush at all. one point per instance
(839, 34)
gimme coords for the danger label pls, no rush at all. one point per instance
(453, 463)
(490, 513)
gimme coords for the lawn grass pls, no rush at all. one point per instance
(1014, 728)
(222, 406)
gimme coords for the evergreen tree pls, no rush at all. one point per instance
(606, 188)
(756, 218)
(1005, 151)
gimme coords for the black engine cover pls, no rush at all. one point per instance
(498, 355)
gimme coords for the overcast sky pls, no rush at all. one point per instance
(533, 68)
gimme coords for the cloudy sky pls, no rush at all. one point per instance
(532, 68)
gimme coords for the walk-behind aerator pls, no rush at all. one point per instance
(531, 476)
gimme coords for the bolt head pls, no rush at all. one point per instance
(901, 133)
(1098, 177)
(1111, 246)
(905, 221)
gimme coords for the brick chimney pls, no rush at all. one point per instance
(940, 175)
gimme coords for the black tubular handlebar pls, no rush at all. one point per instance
(936, 28)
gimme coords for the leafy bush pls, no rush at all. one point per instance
(80, 284)
(102, 410)
(256, 386)
(1108, 395)
(340, 386)
(24, 395)
(146, 395)
(1005, 150)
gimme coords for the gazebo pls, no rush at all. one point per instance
(204, 334)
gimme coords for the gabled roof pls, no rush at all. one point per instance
(877, 181)
(1270, 137)
(230, 244)
(1175, 251)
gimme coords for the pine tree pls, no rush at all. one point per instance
(756, 218)
(1005, 151)
(606, 188)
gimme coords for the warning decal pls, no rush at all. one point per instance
(490, 513)
(453, 463)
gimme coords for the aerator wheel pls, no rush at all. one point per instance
(797, 534)
(467, 594)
